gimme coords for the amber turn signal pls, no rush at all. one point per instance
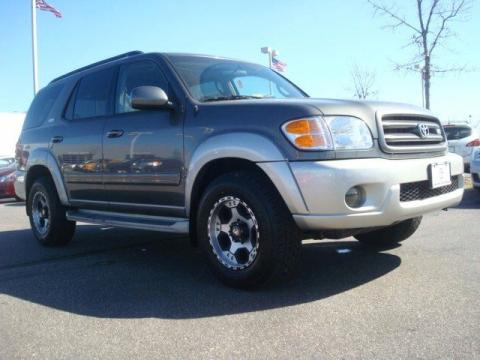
(302, 126)
(308, 134)
(309, 141)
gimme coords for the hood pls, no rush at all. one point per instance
(368, 111)
(287, 109)
(7, 170)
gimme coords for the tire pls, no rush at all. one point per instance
(390, 235)
(47, 215)
(261, 243)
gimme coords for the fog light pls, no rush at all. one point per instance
(355, 197)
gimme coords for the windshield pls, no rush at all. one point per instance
(457, 132)
(212, 79)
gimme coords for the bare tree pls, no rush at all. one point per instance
(363, 82)
(429, 30)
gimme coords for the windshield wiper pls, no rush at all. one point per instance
(230, 97)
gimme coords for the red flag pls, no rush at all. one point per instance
(42, 5)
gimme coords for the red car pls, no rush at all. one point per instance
(7, 177)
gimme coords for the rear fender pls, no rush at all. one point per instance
(43, 157)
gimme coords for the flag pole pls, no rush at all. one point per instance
(34, 47)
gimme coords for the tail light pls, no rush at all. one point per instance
(474, 143)
(20, 156)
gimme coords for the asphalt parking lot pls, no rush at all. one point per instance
(116, 293)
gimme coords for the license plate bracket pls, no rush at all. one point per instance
(439, 174)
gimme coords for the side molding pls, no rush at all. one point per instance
(42, 156)
(251, 147)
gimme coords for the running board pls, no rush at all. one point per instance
(142, 222)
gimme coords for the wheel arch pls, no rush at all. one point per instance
(233, 152)
(41, 162)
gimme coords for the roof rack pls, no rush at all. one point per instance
(118, 57)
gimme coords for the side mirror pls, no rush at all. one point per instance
(149, 97)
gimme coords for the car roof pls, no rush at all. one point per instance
(135, 54)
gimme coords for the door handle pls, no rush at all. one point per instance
(57, 139)
(114, 133)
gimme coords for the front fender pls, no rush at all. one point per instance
(251, 147)
(44, 157)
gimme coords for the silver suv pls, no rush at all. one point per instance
(230, 153)
(462, 140)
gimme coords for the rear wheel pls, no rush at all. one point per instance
(246, 231)
(47, 215)
(391, 234)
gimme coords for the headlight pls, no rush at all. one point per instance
(328, 133)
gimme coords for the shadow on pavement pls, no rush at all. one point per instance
(471, 200)
(115, 273)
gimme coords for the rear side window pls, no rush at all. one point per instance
(41, 106)
(92, 97)
(457, 132)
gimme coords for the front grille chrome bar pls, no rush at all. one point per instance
(401, 133)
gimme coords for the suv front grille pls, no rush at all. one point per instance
(421, 190)
(411, 133)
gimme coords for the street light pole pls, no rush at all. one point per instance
(34, 48)
(269, 51)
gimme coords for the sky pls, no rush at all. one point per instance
(319, 40)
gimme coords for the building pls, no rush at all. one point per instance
(10, 126)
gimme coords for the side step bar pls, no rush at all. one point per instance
(142, 222)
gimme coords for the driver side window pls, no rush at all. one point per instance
(133, 75)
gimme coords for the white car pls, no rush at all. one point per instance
(475, 168)
(462, 139)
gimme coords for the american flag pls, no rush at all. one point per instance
(278, 65)
(42, 5)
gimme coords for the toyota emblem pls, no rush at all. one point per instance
(424, 130)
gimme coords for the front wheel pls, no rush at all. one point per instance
(391, 234)
(246, 231)
(47, 215)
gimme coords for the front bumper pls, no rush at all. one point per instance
(324, 184)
